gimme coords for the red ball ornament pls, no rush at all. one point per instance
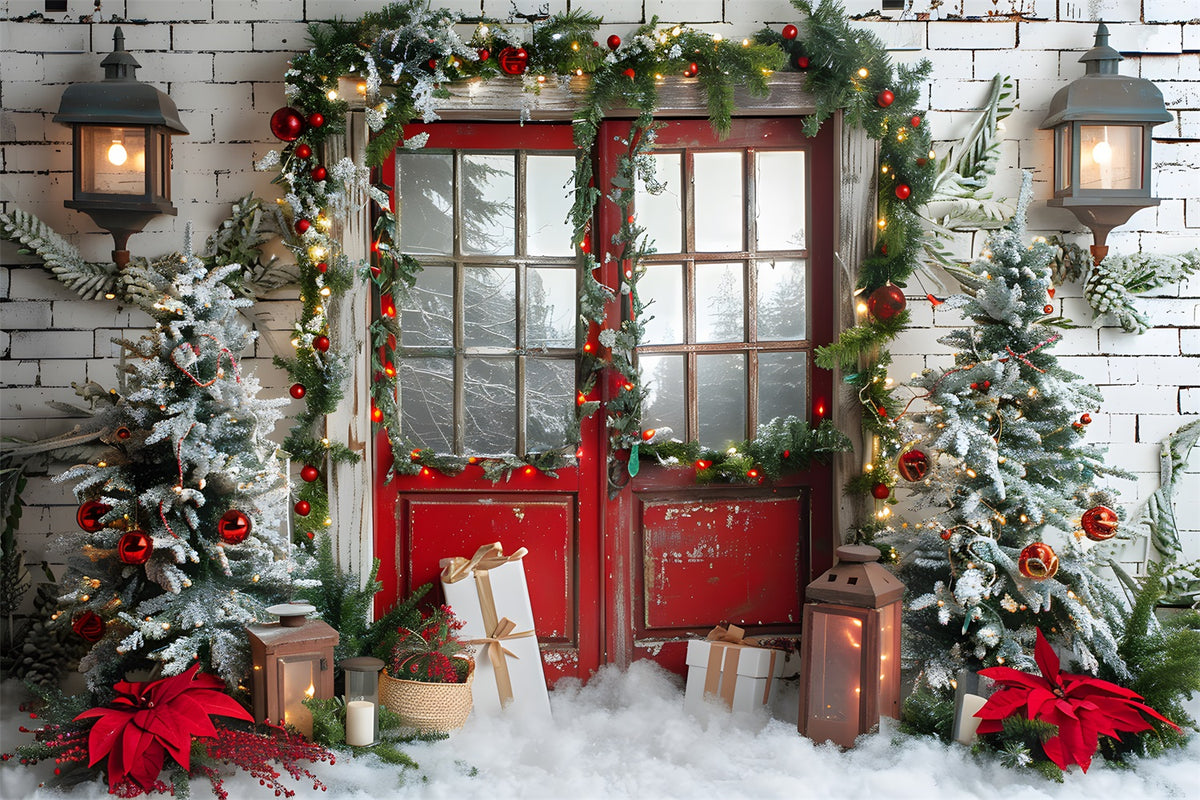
(629, 73)
(903, 191)
(287, 124)
(483, 54)
(693, 69)
(513, 60)
(1086, 419)
(913, 465)
(302, 226)
(303, 151)
(319, 173)
(303, 507)
(1099, 523)
(1038, 561)
(802, 62)
(123, 433)
(89, 514)
(881, 491)
(321, 343)
(946, 534)
(614, 42)
(790, 32)
(885, 98)
(915, 121)
(88, 626)
(233, 526)
(134, 547)
(1048, 309)
(886, 302)
(309, 473)
(322, 267)
(316, 119)
(297, 391)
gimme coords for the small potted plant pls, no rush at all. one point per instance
(429, 674)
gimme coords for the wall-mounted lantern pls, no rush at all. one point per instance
(293, 659)
(121, 153)
(1101, 125)
(850, 650)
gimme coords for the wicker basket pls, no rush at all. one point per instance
(440, 707)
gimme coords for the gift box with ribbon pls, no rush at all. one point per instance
(489, 594)
(732, 667)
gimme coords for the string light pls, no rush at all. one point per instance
(862, 72)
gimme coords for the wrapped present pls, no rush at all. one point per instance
(489, 594)
(732, 667)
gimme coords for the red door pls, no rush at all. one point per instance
(487, 362)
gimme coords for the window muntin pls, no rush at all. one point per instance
(488, 333)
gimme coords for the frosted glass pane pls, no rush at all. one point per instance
(662, 214)
(118, 157)
(427, 402)
(664, 404)
(782, 386)
(550, 299)
(490, 307)
(782, 301)
(779, 200)
(427, 309)
(720, 304)
(549, 193)
(549, 402)
(661, 292)
(721, 382)
(425, 217)
(490, 406)
(489, 197)
(720, 208)
(1110, 157)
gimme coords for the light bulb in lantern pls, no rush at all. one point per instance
(1102, 153)
(117, 155)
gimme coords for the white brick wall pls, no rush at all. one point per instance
(222, 61)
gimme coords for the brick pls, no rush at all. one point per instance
(23, 67)
(1093, 369)
(1077, 342)
(158, 11)
(245, 126)
(1038, 63)
(37, 158)
(1189, 342)
(89, 314)
(1108, 10)
(1164, 312)
(973, 36)
(24, 315)
(255, 10)
(1122, 427)
(747, 11)
(36, 283)
(62, 372)
(1152, 342)
(1189, 401)
(1038, 35)
(615, 12)
(19, 373)
(1191, 37)
(20, 402)
(28, 96)
(894, 35)
(39, 37)
(957, 95)
(251, 67)
(1157, 427)
(1169, 11)
(139, 38)
(697, 11)
(1166, 67)
(41, 490)
(63, 344)
(213, 36)
(290, 36)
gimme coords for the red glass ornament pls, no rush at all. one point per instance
(913, 465)
(802, 62)
(321, 343)
(322, 267)
(1050, 291)
(483, 54)
(233, 526)
(319, 174)
(881, 491)
(316, 119)
(885, 98)
(886, 302)
(302, 226)
(915, 121)
(123, 433)
(629, 73)
(903, 191)
(513, 60)
(303, 151)
(303, 507)
(376, 414)
(134, 547)
(946, 534)
(297, 391)
(790, 32)
(614, 42)
(1086, 419)
(287, 124)
(1099, 523)
(309, 473)
(692, 71)
(1038, 561)
(921, 162)
(89, 514)
(88, 626)
(648, 434)
(1048, 309)
(702, 464)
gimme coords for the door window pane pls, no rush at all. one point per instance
(489, 406)
(782, 296)
(721, 393)
(782, 386)
(427, 402)
(720, 303)
(549, 396)
(490, 307)
(661, 292)
(427, 309)
(549, 188)
(717, 185)
(488, 188)
(425, 213)
(550, 297)
(779, 199)
(662, 214)
(662, 377)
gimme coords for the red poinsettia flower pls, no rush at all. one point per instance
(146, 722)
(1081, 706)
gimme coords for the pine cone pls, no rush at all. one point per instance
(43, 651)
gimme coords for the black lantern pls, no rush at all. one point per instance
(121, 158)
(1101, 125)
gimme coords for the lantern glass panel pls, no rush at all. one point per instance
(1110, 157)
(362, 707)
(297, 681)
(889, 674)
(834, 680)
(1062, 162)
(114, 160)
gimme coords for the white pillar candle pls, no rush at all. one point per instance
(968, 723)
(360, 723)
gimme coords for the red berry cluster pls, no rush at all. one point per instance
(255, 753)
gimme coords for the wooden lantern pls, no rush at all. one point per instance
(293, 659)
(850, 649)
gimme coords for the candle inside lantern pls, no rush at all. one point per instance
(360, 723)
(298, 684)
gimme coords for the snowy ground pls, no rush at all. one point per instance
(625, 735)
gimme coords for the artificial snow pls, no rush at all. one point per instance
(625, 735)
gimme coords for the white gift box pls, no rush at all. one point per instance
(489, 594)
(740, 674)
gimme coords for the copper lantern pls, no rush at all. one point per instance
(850, 651)
(121, 156)
(293, 660)
(1101, 125)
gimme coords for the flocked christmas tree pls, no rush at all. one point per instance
(180, 514)
(1008, 462)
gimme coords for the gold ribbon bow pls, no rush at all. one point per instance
(725, 649)
(489, 556)
(501, 632)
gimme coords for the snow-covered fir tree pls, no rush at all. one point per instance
(185, 502)
(1005, 442)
